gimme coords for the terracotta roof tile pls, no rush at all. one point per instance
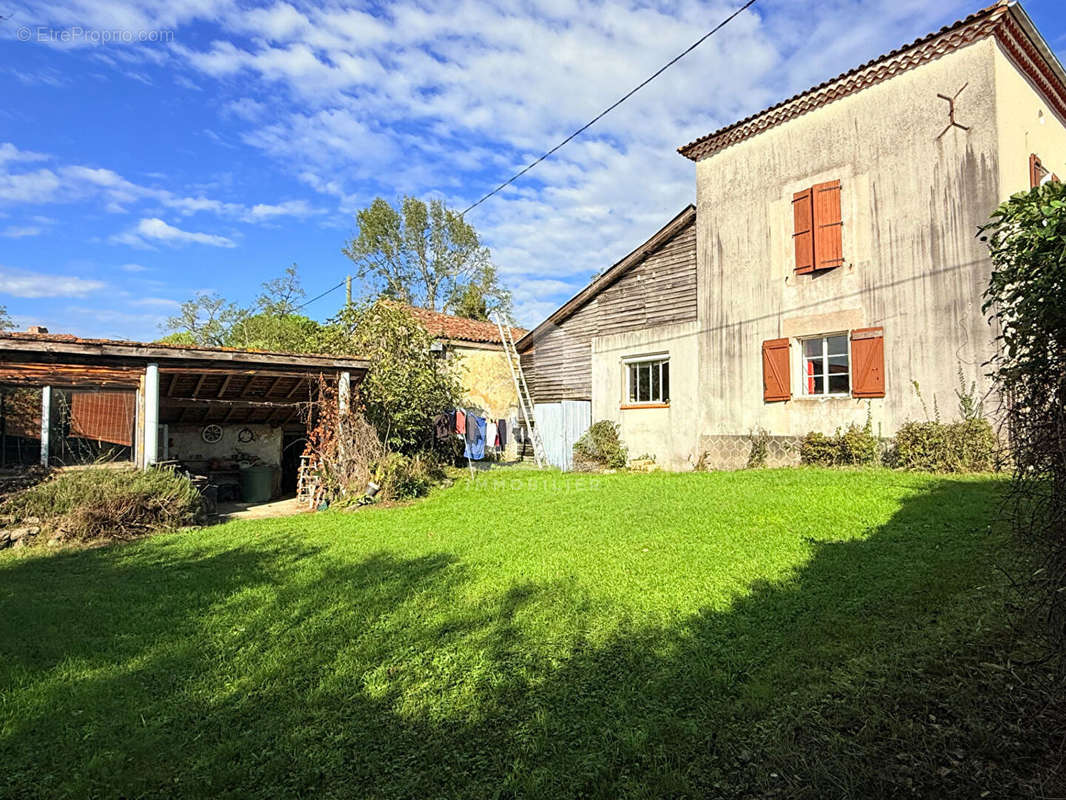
(460, 328)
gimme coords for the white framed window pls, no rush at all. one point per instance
(826, 367)
(647, 380)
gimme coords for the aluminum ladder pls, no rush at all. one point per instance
(525, 399)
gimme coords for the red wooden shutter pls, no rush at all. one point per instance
(803, 234)
(776, 383)
(1036, 171)
(828, 226)
(868, 362)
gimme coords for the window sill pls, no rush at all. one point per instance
(821, 398)
(630, 406)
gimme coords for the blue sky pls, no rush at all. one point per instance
(135, 174)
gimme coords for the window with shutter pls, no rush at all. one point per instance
(1036, 171)
(868, 362)
(828, 226)
(803, 226)
(818, 228)
(776, 382)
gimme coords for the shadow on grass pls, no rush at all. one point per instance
(274, 671)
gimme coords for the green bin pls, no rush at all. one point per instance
(257, 484)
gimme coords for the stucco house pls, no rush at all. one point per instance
(488, 386)
(831, 260)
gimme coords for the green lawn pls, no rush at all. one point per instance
(799, 633)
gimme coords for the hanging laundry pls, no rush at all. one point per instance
(501, 429)
(460, 422)
(475, 450)
(442, 426)
(490, 433)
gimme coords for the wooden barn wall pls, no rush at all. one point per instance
(661, 290)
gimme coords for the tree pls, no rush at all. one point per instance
(407, 385)
(6, 323)
(271, 324)
(1027, 299)
(480, 297)
(419, 254)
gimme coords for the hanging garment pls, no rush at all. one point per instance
(501, 429)
(460, 422)
(471, 427)
(490, 433)
(475, 450)
(442, 427)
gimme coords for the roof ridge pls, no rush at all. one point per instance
(748, 126)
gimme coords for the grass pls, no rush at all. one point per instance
(799, 633)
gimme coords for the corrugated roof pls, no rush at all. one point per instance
(928, 47)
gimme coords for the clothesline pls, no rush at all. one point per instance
(478, 433)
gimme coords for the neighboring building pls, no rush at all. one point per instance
(207, 408)
(837, 259)
(488, 385)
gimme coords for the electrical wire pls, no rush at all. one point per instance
(320, 296)
(613, 106)
(584, 127)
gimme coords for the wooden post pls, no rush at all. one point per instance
(151, 415)
(344, 393)
(46, 422)
(348, 290)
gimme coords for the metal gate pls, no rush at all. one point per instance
(561, 425)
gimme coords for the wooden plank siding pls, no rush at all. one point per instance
(657, 288)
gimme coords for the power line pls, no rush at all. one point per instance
(613, 106)
(320, 296)
(584, 127)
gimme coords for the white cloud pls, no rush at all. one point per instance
(133, 268)
(156, 230)
(159, 302)
(22, 283)
(290, 208)
(21, 231)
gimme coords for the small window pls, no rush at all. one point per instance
(826, 368)
(648, 381)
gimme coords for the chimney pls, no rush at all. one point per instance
(36, 329)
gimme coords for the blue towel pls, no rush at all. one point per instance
(475, 450)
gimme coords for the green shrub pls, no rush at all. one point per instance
(856, 446)
(600, 448)
(967, 446)
(405, 477)
(760, 448)
(103, 503)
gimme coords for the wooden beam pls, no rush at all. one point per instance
(248, 386)
(273, 386)
(209, 402)
(225, 385)
(28, 343)
(199, 384)
(292, 391)
(68, 375)
(173, 383)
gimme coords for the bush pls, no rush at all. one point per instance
(967, 446)
(102, 503)
(760, 448)
(405, 477)
(600, 448)
(854, 447)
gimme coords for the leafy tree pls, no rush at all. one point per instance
(1027, 297)
(408, 385)
(479, 297)
(420, 254)
(271, 324)
(6, 323)
(206, 320)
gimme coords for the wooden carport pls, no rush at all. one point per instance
(174, 383)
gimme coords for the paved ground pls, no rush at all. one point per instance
(275, 508)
